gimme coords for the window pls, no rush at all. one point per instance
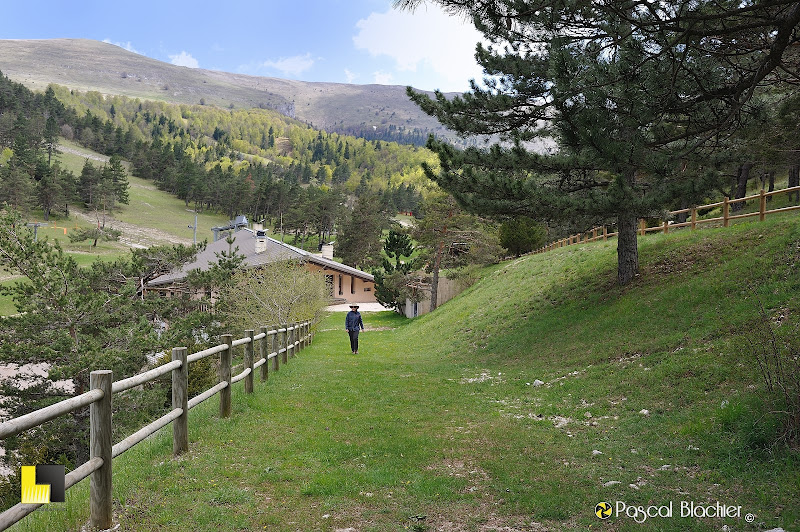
(329, 282)
(340, 284)
(352, 284)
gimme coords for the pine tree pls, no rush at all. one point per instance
(359, 241)
(599, 102)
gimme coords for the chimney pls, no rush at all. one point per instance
(261, 241)
(327, 251)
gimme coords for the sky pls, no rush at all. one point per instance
(342, 41)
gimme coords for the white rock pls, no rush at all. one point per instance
(692, 448)
(538, 383)
(644, 412)
(665, 467)
(611, 483)
(596, 452)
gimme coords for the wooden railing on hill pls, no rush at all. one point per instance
(276, 345)
(601, 233)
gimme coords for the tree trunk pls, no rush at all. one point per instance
(627, 248)
(435, 281)
(682, 217)
(771, 184)
(743, 176)
(794, 180)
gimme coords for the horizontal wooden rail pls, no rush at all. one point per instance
(207, 352)
(242, 375)
(28, 421)
(142, 378)
(144, 432)
(273, 343)
(240, 341)
(211, 392)
(264, 360)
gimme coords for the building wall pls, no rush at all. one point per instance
(353, 289)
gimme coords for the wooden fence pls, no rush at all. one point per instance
(275, 344)
(601, 233)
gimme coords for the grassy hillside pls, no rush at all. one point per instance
(88, 65)
(649, 394)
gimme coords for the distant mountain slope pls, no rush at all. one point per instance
(92, 65)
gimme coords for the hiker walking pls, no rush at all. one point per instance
(353, 325)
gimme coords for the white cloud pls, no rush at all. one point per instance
(427, 39)
(383, 78)
(184, 59)
(126, 45)
(349, 76)
(288, 66)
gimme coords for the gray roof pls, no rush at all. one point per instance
(245, 240)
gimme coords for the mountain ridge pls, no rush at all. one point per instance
(89, 65)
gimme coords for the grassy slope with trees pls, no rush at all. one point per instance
(438, 424)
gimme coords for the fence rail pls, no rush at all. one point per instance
(601, 233)
(275, 344)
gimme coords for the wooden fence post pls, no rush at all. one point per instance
(100, 447)
(276, 347)
(291, 335)
(725, 212)
(605, 233)
(265, 351)
(225, 376)
(666, 227)
(180, 399)
(642, 227)
(762, 205)
(248, 361)
(694, 218)
(285, 343)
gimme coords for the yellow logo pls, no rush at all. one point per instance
(603, 510)
(42, 484)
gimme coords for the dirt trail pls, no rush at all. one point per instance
(133, 235)
(92, 156)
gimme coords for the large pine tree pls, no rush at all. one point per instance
(621, 91)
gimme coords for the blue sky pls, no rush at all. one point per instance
(345, 41)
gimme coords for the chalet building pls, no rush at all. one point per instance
(347, 285)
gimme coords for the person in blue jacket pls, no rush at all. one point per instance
(353, 325)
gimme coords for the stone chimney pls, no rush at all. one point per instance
(261, 241)
(327, 251)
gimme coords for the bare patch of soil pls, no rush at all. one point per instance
(135, 236)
